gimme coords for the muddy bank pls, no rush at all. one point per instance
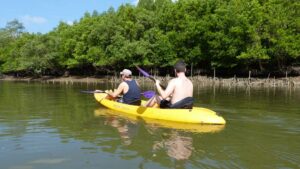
(253, 82)
(197, 80)
(50, 79)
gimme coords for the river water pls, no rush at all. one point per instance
(55, 126)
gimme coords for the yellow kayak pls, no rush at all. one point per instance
(196, 115)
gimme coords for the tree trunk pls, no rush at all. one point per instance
(261, 68)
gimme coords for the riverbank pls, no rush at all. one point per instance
(51, 79)
(197, 80)
(248, 82)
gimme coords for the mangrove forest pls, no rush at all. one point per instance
(233, 36)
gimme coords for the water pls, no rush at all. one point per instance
(55, 126)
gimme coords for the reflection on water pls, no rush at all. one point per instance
(177, 146)
(171, 142)
(56, 126)
(188, 127)
(125, 128)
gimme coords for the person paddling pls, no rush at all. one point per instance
(179, 92)
(129, 88)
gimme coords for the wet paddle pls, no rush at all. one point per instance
(147, 94)
(146, 74)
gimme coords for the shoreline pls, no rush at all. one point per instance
(199, 80)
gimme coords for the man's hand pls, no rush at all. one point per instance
(157, 82)
(110, 92)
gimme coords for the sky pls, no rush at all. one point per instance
(44, 15)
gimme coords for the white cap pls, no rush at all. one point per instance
(126, 72)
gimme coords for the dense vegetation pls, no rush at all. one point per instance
(229, 35)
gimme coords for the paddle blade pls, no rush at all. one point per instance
(143, 72)
(148, 94)
(92, 91)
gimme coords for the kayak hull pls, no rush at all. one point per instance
(196, 115)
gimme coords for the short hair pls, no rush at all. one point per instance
(180, 66)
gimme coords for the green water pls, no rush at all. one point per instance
(55, 126)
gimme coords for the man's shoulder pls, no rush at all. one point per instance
(174, 80)
(180, 79)
(123, 84)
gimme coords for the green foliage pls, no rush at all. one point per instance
(226, 34)
(147, 4)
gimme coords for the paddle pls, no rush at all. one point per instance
(92, 91)
(147, 94)
(149, 76)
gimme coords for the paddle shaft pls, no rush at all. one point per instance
(146, 74)
(148, 94)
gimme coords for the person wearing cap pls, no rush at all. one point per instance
(129, 88)
(179, 92)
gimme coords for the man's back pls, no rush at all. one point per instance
(183, 88)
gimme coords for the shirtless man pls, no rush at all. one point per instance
(179, 92)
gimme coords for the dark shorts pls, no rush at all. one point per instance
(186, 103)
(136, 103)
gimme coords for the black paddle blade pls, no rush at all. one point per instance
(92, 91)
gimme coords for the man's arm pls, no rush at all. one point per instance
(169, 90)
(119, 90)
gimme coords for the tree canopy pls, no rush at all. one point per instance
(234, 35)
